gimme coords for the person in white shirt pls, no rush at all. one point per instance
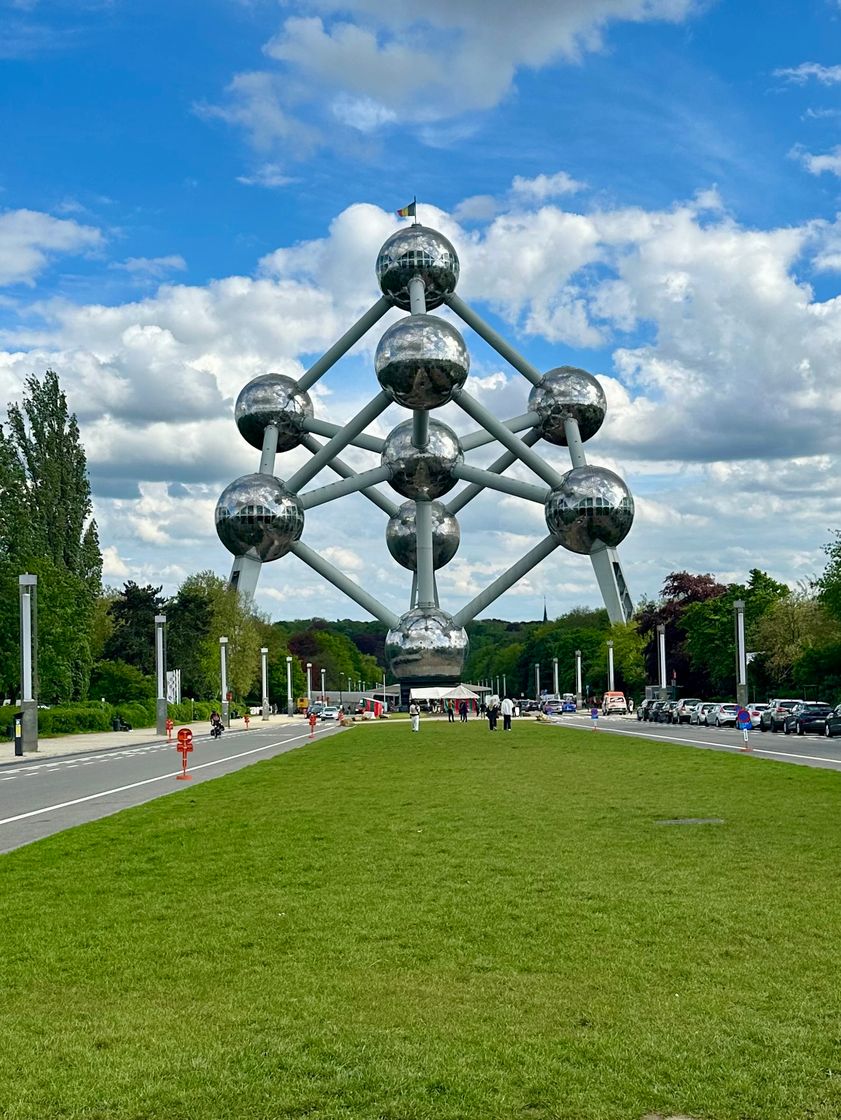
(414, 716)
(507, 709)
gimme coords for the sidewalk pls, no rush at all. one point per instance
(105, 740)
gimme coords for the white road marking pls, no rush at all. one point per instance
(147, 781)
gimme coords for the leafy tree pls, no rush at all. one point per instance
(118, 683)
(189, 616)
(828, 583)
(132, 639)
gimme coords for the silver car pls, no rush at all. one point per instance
(722, 715)
(698, 715)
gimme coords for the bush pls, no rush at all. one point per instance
(185, 712)
(138, 714)
(74, 719)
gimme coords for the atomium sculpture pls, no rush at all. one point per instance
(422, 363)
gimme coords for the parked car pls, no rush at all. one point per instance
(553, 707)
(644, 709)
(315, 709)
(683, 709)
(807, 717)
(772, 718)
(614, 703)
(330, 712)
(698, 715)
(832, 725)
(755, 712)
(722, 715)
(568, 703)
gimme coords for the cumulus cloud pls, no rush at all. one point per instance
(817, 164)
(28, 240)
(545, 186)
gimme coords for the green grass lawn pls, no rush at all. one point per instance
(446, 925)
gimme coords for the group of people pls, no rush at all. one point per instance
(493, 709)
(496, 708)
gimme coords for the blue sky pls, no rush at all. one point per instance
(192, 194)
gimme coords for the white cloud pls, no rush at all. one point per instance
(152, 268)
(824, 75)
(546, 186)
(267, 175)
(28, 239)
(816, 164)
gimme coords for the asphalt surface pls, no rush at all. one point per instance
(806, 750)
(40, 796)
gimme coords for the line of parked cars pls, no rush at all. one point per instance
(792, 717)
(692, 710)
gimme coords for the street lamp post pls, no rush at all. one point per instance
(661, 658)
(223, 668)
(160, 667)
(610, 681)
(323, 695)
(309, 684)
(537, 680)
(289, 709)
(579, 693)
(28, 593)
(264, 673)
(504, 685)
(741, 655)
(555, 688)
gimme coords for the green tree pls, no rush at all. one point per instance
(118, 683)
(132, 639)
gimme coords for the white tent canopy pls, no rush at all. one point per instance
(444, 692)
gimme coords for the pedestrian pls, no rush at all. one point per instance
(462, 711)
(594, 716)
(507, 709)
(744, 723)
(414, 716)
(451, 712)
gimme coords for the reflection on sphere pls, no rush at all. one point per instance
(402, 541)
(591, 505)
(421, 360)
(417, 251)
(422, 472)
(275, 399)
(568, 393)
(426, 645)
(257, 516)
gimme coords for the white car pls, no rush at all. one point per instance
(329, 712)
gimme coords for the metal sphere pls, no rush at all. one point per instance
(257, 516)
(421, 360)
(568, 393)
(422, 472)
(402, 541)
(426, 646)
(417, 251)
(592, 505)
(272, 399)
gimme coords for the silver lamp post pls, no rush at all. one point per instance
(610, 683)
(661, 658)
(223, 668)
(160, 673)
(741, 654)
(537, 680)
(28, 595)
(323, 696)
(264, 673)
(579, 692)
(504, 685)
(555, 688)
(289, 710)
(309, 684)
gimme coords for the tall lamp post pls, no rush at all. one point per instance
(610, 681)
(579, 693)
(223, 671)
(555, 688)
(309, 684)
(289, 709)
(160, 667)
(264, 673)
(661, 658)
(741, 655)
(323, 695)
(537, 680)
(28, 593)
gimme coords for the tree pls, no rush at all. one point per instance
(132, 639)
(118, 683)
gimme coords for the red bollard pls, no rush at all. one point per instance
(247, 719)
(313, 722)
(185, 745)
(169, 725)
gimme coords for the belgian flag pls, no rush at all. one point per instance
(409, 211)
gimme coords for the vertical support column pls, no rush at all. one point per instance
(28, 596)
(610, 682)
(741, 654)
(555, 688)
(223, 672)
(289, 709)
(504, 685)
(661, 658)
(537, 680)
(309, 684)
(160, 672)
(323, 693)
(423, 538)
(579, 691)
(264, 675)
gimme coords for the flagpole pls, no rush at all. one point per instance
(415, 215)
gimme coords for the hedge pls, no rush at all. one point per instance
(84, 718)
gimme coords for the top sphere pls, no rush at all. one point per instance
(568, 393)
(272, 399)
(417, 251)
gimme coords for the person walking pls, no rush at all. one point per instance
(451, 712)
(414, 716)
(745, 724)
(594, 716)
(507, 709)
(462, 711)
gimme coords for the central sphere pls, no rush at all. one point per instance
(272, 399)
(402, 539)
(426, 645)
(422, 472)
(568, 393)
(417, 251)
(591, 505)
(257, 516)
(421, 360)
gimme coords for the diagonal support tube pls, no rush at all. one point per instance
(519, 447)
(342, 468)
(499, 482)
(575, 443)
(484, 330)
(500, 585)
(518, 424)
(346, 586)
(325, 428)
(350, 485)
(497, 467)
(340, 348)
(339, 442)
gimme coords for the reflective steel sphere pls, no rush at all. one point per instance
(421, 360)
(401, 536)
(422, 472)
(272, 399)
(591, 505)
(417, 251)
(426, 646)
(257, 516)
(568, 393)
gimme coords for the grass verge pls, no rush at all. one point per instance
(454, 924)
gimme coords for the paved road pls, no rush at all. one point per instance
(806, 750)
(41, 796)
